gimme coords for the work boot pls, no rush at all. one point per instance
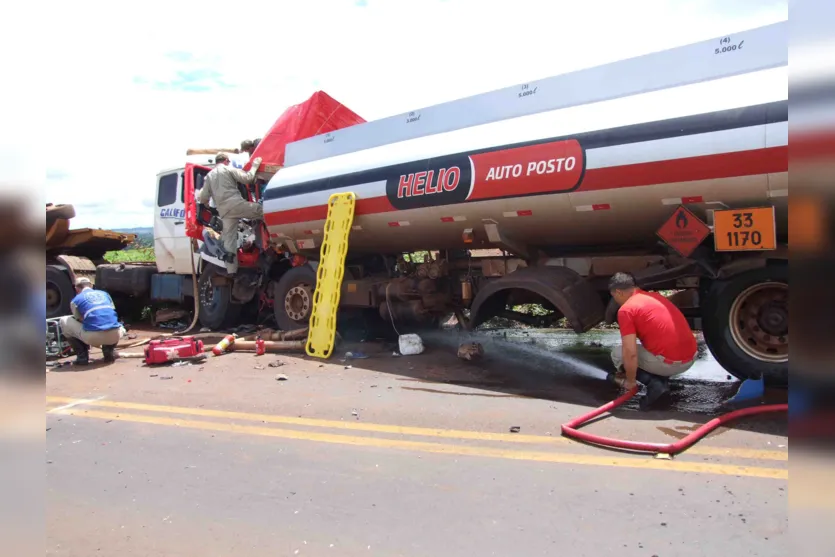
(82, 351)
(656, 388)
(109, 352)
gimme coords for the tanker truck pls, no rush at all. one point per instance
(672, 166)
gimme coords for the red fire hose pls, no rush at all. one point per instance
(570, 429)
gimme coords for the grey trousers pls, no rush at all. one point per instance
(229, 234)
(72, 327)
(651, 363)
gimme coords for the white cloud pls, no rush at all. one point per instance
(122, 99)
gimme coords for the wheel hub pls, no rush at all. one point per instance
(297, 302)
(759, 321)
(53, 296)
(774, 318)
(207, 294)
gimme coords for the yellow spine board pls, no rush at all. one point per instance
(329, 275)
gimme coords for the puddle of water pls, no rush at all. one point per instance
(560, 365)
(595, 346)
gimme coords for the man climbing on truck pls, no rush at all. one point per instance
(247, 146)
(667, 348)
(221, 185)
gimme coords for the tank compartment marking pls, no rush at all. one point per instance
(595, 207)
(682, 200)
(308, 243)
(399, 223)
(778, 193)
(311, 232)
(453, 219)
(511, 214)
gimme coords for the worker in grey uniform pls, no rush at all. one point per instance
(221, 185)
(247, 146)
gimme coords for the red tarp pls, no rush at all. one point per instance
(318, 114)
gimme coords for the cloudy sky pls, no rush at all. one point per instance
(121, 90)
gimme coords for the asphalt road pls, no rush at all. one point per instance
(393, 456)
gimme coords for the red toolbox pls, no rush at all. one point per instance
(166, 350)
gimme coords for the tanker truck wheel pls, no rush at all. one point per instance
(59, 292)
(293, 298)
(746, 324)
(216, 308)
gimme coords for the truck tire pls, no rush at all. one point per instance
(745, 323)
(217, 311)
(293, 298)
(59, 292)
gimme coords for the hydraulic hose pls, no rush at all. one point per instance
(571, 429)
(196, 293)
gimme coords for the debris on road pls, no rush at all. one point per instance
(165, 315)
(281, 377)
(167, 377)
(515, 429)
(270, 334)
(355, 356)
(58, 364)
(410, 345)
(277, 363)
(269, 345)
(470, 351)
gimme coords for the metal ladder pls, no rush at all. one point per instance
(329, 274)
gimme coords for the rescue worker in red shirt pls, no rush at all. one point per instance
(667, 348)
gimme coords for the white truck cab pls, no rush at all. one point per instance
(171, 244)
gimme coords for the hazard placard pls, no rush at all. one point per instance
(683, 231)
(751, 229)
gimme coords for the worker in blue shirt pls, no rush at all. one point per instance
(93, 323)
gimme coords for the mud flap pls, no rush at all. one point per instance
(570, 293)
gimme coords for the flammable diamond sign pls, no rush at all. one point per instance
(683, 231)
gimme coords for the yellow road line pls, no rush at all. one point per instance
(399, 430)
(441, 448)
